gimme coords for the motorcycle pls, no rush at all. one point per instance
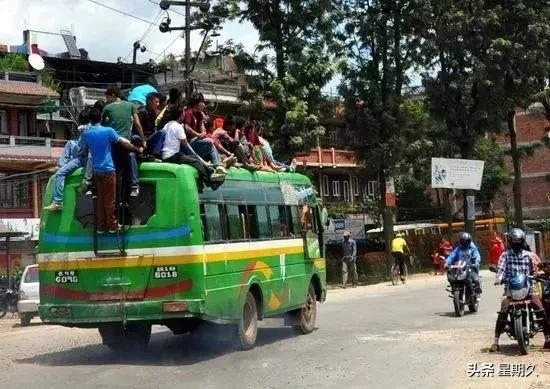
(522, 323)
(8, 301)
(462, 288)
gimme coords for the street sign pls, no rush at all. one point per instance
(457, 173)
(339, 224)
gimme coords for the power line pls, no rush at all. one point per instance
(169, 45)
(151, 24)
(121, 12)
(174, 11)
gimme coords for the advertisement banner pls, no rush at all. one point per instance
(457, 173)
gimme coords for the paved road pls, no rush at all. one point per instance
(370, 337)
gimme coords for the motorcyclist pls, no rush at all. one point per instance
(467, 251)
(517, 260)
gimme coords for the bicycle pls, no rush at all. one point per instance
(395, 273)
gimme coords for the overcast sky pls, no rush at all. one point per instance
(105, 33)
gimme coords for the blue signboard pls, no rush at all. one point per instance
(339, 224)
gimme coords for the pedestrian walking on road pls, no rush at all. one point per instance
(349, 252)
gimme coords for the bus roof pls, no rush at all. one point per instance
(237, 174)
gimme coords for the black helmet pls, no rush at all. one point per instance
(516, 239)
(465, 240)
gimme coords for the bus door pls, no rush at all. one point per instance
(311, 231)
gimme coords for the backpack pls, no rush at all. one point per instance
(155, 144)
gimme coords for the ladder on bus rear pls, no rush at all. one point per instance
(121, 210)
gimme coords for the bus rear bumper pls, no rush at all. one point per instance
(88, 314)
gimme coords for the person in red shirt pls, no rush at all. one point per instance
(497, 248)
(440, 255)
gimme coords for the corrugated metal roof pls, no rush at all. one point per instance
(25, 88)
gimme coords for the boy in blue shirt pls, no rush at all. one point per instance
(100, 141)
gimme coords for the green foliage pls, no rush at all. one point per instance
(14, 62)
(169, 62)
(495, 173)
(291, 65)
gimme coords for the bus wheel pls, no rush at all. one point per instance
(247, 329)
(305, 317)
(133, 337)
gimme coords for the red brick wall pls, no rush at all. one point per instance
(530, 127)
(536, 190)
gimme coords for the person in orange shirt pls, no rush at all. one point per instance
(497, 248)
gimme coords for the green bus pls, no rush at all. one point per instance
(249, 250)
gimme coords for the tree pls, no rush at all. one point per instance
(456, 40)
(380, 47)
(516, 66)
(292, 63)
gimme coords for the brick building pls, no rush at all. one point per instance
(531, 128)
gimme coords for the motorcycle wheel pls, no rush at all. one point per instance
(458, 303)
(521, 336)
(473, 306)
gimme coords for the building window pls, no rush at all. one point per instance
(332, 137)
(347, 196)
(15, 193)
(370, 190)
(4, 130)
(326, 186)
(336, 188)
(355, 182)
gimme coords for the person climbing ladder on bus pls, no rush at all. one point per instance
(122, 116)
(69, 161)
(100, 141)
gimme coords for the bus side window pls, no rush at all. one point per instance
(212, 225)
(275, 221)
(308, 218)
(262, 221)
(252, 221)
(294, 220)
(235, 219)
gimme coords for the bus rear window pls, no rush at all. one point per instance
(32, 275)
(140, 209)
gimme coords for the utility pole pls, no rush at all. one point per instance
(206, 25)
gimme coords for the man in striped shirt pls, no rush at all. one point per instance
(518, 260)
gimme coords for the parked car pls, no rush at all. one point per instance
(29, 295)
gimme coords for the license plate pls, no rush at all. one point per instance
(66, 277)
(163, 272)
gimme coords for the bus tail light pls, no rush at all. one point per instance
(174, 306)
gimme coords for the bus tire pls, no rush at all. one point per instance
(132, 337)
(306, 316)
(247, 328)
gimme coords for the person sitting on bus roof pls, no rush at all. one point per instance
(197, 139)
(69, 161)
(217, 135)
(177, 150)
(100, 141)
(122, 115)
(138, 95)
(148, 114)
(257, 157)
(174, 98)
(268, 153)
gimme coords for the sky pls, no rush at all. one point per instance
(104, 33)
(107, 34)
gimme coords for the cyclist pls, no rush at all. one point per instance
(398, 248)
